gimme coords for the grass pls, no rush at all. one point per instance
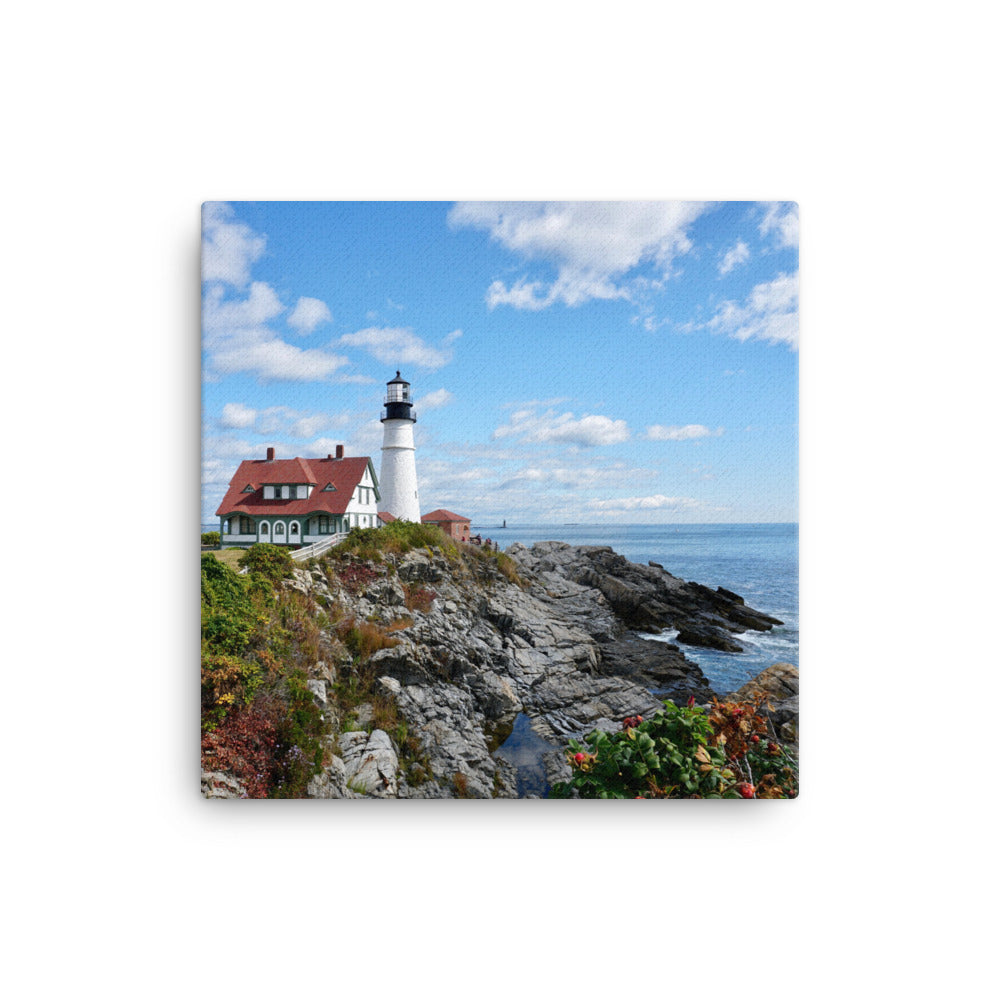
(228, 557)
(397, 538)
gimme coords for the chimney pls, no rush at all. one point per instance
(340, 451)
(270, 454)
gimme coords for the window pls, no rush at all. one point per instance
(324, 525)
(279, 529)
(246, 526)
(263, 528)
(294, 529)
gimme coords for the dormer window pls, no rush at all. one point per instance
(248, 488)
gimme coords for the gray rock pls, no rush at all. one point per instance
(390, 685)
(370, 763)
(330, 783)
(563, 651)
(646, 597)
(324, 671)
(219, 785)
(780, 683)
(318, 689)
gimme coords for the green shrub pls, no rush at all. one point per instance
(682, 753)
(260, 721)
(211, 538)
(270, 561)
(397, 537)
(229, 619)
(667, 756)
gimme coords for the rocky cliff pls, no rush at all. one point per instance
(551, 651)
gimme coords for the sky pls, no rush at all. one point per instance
(593, 362)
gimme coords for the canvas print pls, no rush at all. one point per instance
(499, 500)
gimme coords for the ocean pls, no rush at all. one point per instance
(757, 561)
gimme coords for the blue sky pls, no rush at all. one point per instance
(581, 361)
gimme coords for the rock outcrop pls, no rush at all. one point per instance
(780, 683)
(645, 598)
(219, 785)
(559, 652)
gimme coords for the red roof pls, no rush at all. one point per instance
(343, 474)
(441, 515)
(384, 515)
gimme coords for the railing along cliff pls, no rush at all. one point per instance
(301, 555)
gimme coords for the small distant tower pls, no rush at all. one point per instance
(398, 476)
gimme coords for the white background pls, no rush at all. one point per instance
(120, 119)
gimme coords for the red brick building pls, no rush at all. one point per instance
(453, 525)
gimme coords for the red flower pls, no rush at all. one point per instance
(691, 702)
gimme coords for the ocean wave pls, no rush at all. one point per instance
(667, 635)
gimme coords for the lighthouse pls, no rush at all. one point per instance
(398, 477)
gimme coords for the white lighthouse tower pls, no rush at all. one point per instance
(398, 477)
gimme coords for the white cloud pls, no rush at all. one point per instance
(324, 446)
(236, 415)
(770, 312)
(228, 248)
(782, 218)
(738, 254)
(223, 454)
(306, 427)
(593, 245)
(308, 314)
(577, 477)
(656, 502)
(274, 360)
(223, 317)
(398, 346)
(435, 400)
(237, 339)
(689, 432)
(521, 295)
(587, 431)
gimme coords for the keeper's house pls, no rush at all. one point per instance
(298, 501)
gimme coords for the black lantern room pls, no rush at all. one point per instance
(398, 405)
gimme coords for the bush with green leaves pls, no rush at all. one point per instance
(270, 561)
(260, 721)
(683, 752)
(397, 537)
(210, 538)
(667, 756)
